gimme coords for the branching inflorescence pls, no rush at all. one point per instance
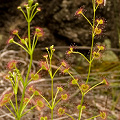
(29, 45)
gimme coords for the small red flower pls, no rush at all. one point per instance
(26, 99)
(25, 5)
(100, 2)
(15, 32)
(40, 103)
(79, 11)
(64, 64)
(39, 32)
(100, 21)
(96, 55)
(31, 89)
(105, 81)
(5, 98)
(35, 76)
(98, 31)
(38, 9)
(101, 47)
(44, 118)
(74, 81)
(10, 40)
(64, 96)
(60, 89)
(85, 87)
(61, 111)
(103, 115)
(44, 65)
(12, 64)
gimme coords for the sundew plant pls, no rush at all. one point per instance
(29, 92)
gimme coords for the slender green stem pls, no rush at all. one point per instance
(93, 117)
(28, 72)
(25, 84)
(29, 40)
(10, 111)
(69, 116)
(26, 104)
(21, 46)
(81, 55)
(35, 74)
(56, 71)
(35, 44)
(12, 105)
(87, 19)
(16, 102)
(28, 110)
(52, 90)
(96, 7)
(92, 42)
(80, 111)
(46, 100)
(57, 102)
(51, 113)
(34, 15)
(22, 99)
(93, 87)
(24, 14)
(33, 10)
(55, 97)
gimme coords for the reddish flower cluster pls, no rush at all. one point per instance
(61, 111)
(100, 2)
(80, 11)
(44, 118)
(5, 98)
(11, 64)
(34, 76)
(39, 32)
(103, 115)
(15, 32)
(85, 87)
(10, 40)
(96, 55)
(43, 65)
(64, 96)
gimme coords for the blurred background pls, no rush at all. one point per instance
(60, 25)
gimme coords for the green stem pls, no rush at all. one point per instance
(21, 46)
(25, 85)
(80, 111)
(52, 91)
(10, 111)
(92, 43)
(51, 113)
(26, 104)
(57, 102)
(93, 87)
(55, 97)
(46, 101)
(93, 117)
(24, 14)
(29, 110)
(16, 102)
(81, 55)
(87, 19)
(69, 116)
(56, 71)
(29, 40)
